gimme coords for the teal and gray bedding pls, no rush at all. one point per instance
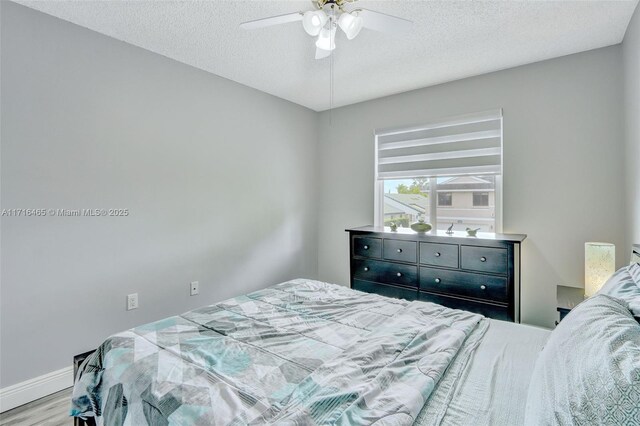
(490, 386)
(302, 352)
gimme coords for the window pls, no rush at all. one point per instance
(448, 172)
(444, 199)
(480, 199)
(405, 200)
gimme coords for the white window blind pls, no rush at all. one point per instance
(465, 145)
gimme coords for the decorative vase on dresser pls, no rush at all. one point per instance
(479, 274)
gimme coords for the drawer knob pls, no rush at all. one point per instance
(399, 250)
(437, 254)
(437, 280)
(366, 268)
(366, 247)
(483, 287)
(399, 274)
(483, 259)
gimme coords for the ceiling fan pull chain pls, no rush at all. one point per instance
(333, 34)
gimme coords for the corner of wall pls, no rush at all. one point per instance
(631, 100)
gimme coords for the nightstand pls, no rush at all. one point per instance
(568, 298)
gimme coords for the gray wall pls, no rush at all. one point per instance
(222, 183)
(631, 55)
(219, 179)
(563, 151)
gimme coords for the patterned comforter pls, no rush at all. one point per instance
(301, 353)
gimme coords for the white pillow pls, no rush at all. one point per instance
(625, 284)
(589, 371)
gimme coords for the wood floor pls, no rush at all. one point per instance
(52, 410)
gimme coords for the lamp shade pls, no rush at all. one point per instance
(327, 39)
(599, 265)
(351, 24)
(313, 22)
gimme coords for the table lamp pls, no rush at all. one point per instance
(599, 265)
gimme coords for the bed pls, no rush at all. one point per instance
(306, 352)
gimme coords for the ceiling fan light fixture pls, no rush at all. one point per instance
(321, 54)
(327, 39)
(313, 21)
(322, 23)
(351, 24)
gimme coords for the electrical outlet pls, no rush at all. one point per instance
(132, 301)
(195, 288)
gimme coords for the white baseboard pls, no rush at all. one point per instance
(16, 395)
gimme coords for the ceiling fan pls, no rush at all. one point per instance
(328, 16)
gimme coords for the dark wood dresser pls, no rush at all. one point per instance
(479, 274)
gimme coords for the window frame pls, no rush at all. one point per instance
(378, 193)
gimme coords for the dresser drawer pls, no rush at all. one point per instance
(484, 259)
(386, 272)
(368, 270)
(488, 310)
(467, 284)
(439, 254)
(385, 290)
(404, 251)
(401, 274)
(367, 247)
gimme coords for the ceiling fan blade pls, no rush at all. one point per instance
(274, 20)
(382, 22)
(321, 53)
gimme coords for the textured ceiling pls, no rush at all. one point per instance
(450, 40)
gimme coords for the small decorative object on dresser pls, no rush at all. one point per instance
(479, 274)
(393, 226)
(450, 230)
(421, 226)
(472, 232)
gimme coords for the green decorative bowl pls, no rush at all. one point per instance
(421, 226)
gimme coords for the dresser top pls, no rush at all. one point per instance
(441, 234)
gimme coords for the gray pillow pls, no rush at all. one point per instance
(589, 371)
(625, 284)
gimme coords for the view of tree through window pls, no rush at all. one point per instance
(465, 201)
